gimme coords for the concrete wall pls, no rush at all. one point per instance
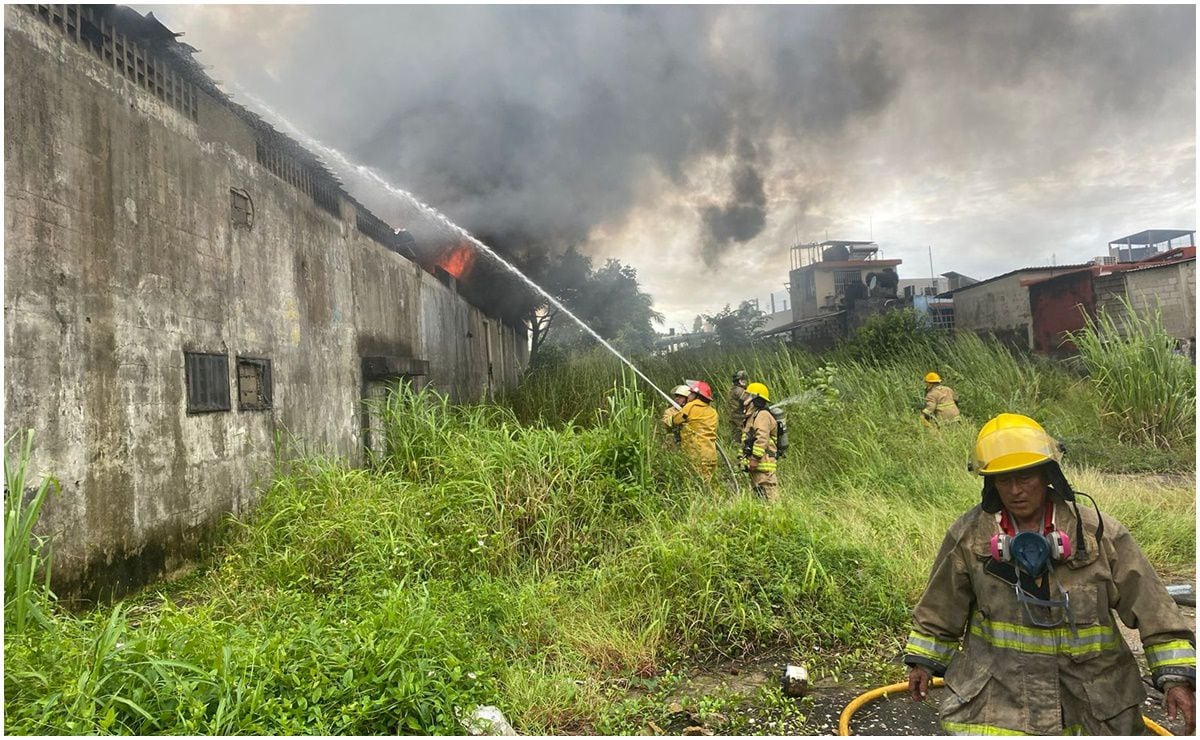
(804, 307)
(999, 307)
(120, 256)
(1170, 289)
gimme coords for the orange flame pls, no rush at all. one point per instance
(458, 261)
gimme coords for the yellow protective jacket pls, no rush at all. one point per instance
(1013, 677)
(759, 435)
(941, 404)
(698, 424)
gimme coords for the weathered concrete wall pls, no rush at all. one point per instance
(999, 307)
(120, 256)
(1169, 288)
(1172, 290)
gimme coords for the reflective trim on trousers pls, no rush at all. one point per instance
(960, 728)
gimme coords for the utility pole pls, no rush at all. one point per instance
(932, 277)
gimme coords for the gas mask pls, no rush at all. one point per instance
(1032, 555)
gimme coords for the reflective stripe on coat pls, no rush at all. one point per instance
(941, 404)
(759, 434)
(1012, 676)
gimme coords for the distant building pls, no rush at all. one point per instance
(834, 286)
(826, 277)
(999, 305)
(1164, 282)
(958, 280)
(1145, 244)
(910, 287)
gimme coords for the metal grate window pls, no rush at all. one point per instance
(254, 383)
(91, 26)
(842, 278)
(207, 377)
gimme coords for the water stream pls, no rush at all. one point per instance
(373, 176)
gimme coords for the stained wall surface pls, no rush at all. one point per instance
(121, 255)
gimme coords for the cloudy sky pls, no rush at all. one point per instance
(697, 143)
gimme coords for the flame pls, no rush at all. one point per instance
(458, 261)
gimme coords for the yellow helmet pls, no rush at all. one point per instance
(932, 378)
(1011, 442)
(681, 390)
(758, 389)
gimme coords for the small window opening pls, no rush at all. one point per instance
(207, 377)
(254, 383)
(241, 208)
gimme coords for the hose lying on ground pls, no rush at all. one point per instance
(873, 694)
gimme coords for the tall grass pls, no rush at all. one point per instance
(1147, 391)
(534, 555)
(27, 559)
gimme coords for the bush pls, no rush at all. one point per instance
(893, 335)
(1148, 392)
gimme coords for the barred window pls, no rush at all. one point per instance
(842, 278)
(207, 377)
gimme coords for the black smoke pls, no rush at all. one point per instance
(538, 125)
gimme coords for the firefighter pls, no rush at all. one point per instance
(697, 422)
(679, 394)
(760, 433)
(737, 405)
(941, 403)
(1027, 582)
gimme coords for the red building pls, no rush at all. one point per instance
(1060, 303)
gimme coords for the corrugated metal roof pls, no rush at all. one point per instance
(1057, 268)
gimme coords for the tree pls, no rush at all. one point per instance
(609, 300)
(736, 328)
(566, 278)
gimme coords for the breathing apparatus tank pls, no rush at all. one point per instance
(781, 441)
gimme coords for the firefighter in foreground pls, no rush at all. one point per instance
(697, 422)
(760, 434)
(737, 405)
(680, 395)
(941, 403)
(1026, 581)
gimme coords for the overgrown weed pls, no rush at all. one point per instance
(549, 554)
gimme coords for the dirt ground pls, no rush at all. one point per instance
(822, 707)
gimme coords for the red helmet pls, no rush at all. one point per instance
(700, 388)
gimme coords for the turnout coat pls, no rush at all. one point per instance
(1012, 676)
(941, 404)
(698, 422)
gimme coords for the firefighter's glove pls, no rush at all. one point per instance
(752, 464)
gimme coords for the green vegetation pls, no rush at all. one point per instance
(553, 556)
(26, 557)
(1147, 392)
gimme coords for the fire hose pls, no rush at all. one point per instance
(873, 694)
